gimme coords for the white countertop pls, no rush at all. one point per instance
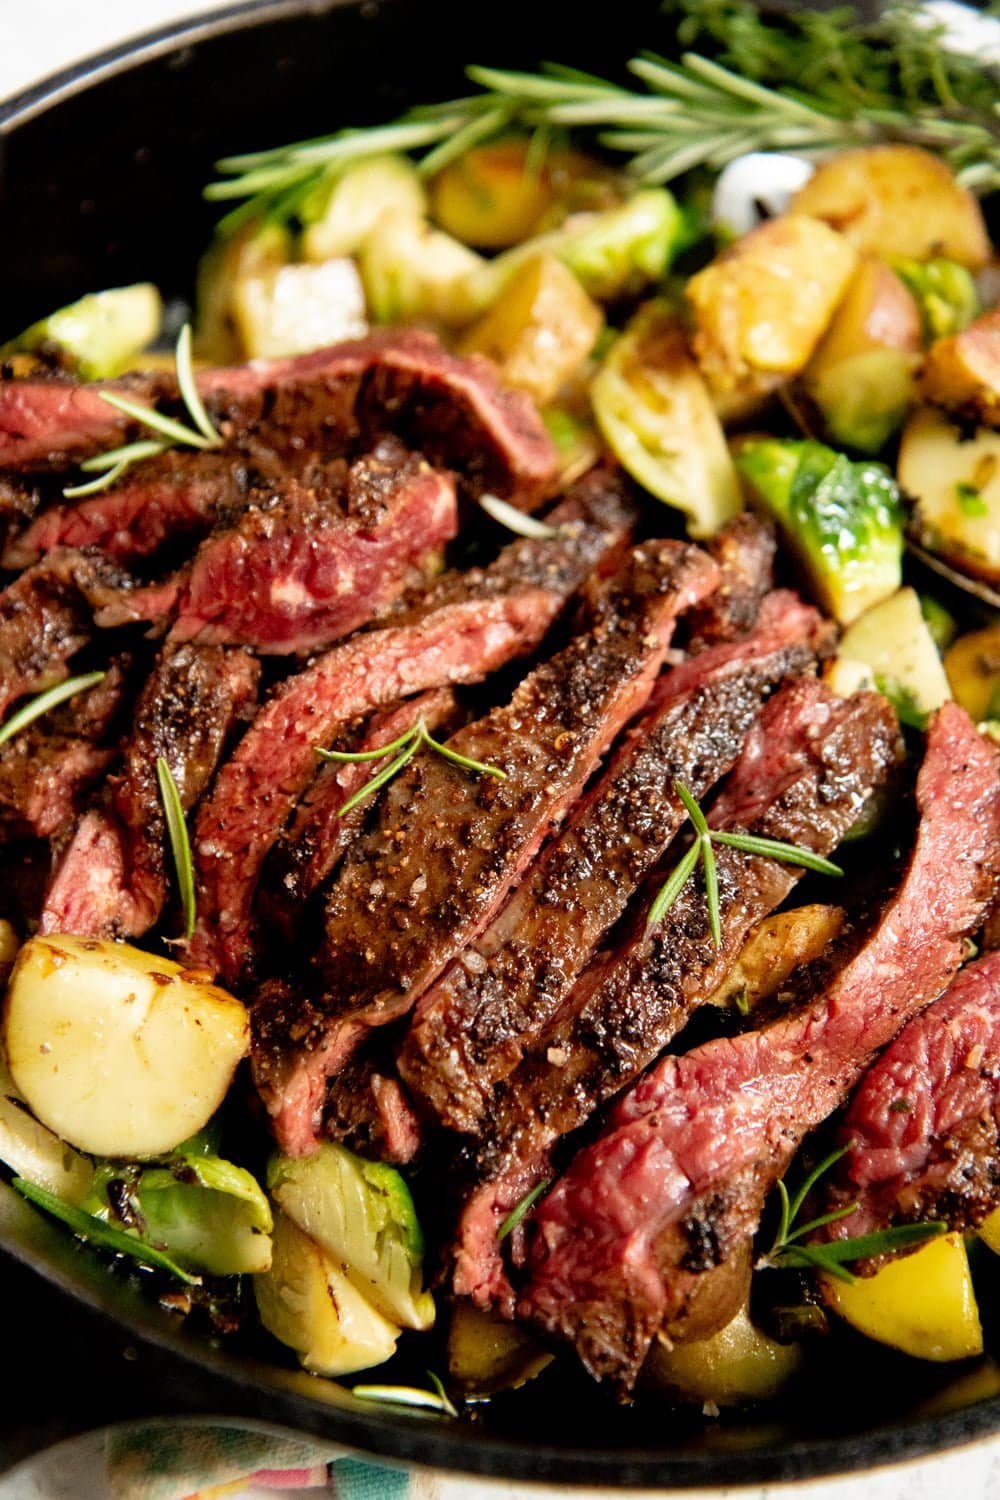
(39, 37)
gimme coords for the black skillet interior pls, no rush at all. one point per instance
(99, 185)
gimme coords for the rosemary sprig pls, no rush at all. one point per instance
(407, 746)
(50, 699)
(180, 844)
(806, 83)
(701, 850)
(835, 1256)
(516, 520)
(436, 1400)
(110, 466)
(522, 1207)
(98, 1233)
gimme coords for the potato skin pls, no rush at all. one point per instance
(540, 329)
(761, 307)
(897, 201)
(962, 372)
(877, 312)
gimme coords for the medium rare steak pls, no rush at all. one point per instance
(744, 549)
(179, 493)
(675, 1184)
(112, 879)
(46, 770)
(312, 845)
(807, 767)
(337, 399)
(924, 1124)
(459, 630)
(472, 1027)
(448, 846)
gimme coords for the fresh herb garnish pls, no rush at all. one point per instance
(110, 466)
(409, 1395)
(701, 849)
(834, 1256)
(180, 844)
(51, 698)
(809, 83)
(98, 1233)
(515, 520)
(407, 745)
(970, 500)
(522, 1207)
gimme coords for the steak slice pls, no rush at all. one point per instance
(179, 493)
(924, 1124)
(675, 1184)
(112, 878)
(461, 628)
(312, 845)
(448, 846)
(47, 769)
(744, 549)
(806, 769)
(472, 1027)
(397, 381)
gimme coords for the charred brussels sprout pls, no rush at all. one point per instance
(945, 294)
(843, 519)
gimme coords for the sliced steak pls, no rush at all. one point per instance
(179, 493)
(472, 1027)
(402, 382)
(448, 846)
(47, 769)
(807, 767)
(675, 1184)
(313, 844)
(744, 549)
(924, 1124)
(112, 878)
(462, 628)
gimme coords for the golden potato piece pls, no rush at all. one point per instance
(762, 306)
(776, 947)
(737, 1364)
(955, 480)
(486, 1354)
(492, 197)
(877, 312)
(540, 329)
(922, 1303)
(973, 668)
(963, 372)
(897, 201)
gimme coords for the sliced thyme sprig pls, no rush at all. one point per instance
(522, 1207)
(50, 699)
(180, 844)
(110, 466)
(701, 850)
(802, 82)
(834, 1256)
(407, 744)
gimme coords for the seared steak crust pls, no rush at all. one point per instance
(924, 1123)
(454, 410)
(448, 846)
(464, 626)
(471, 1028)
(676, 1182)
(744, 549)
(112, 878)
(807, 767)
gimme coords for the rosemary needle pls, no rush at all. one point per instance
(408, 743)
(180, 844)
(50, 699)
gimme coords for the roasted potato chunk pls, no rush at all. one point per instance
(963, 372)
(737, 1364)
(897, 200)
(486, 1354)
(776, 947)
(540, 329)
(761, 307)
(973, 668)
(955, 480)
(492, 197)
(922, 1303)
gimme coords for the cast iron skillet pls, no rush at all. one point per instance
(100, 171)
